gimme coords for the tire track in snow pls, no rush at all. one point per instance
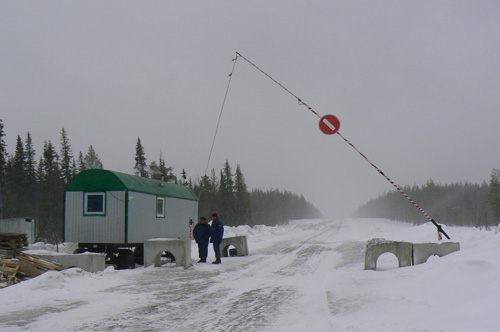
(243, 294)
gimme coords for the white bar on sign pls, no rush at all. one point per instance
(329, 124)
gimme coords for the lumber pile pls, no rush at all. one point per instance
(13, 240)
(8, 271)
(24, 266)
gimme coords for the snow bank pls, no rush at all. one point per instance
(64, 248)
(305, 276)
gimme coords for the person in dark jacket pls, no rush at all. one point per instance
(201, 234)
(217, 233)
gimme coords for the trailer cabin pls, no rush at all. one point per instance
(106, 211)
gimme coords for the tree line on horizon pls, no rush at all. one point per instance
(35, 188)
(459, 204)
(228, 195)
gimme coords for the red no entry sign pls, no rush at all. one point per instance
(329, 124)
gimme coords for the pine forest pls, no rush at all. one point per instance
(460, 204)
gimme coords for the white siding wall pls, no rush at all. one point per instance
(95, 229)
(143, 223)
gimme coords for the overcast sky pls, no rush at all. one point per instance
(415, 84)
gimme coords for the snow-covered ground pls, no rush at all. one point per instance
(306, 276)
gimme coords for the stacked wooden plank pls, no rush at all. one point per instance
(13, 240)
(24, 266)
(9, 268)
(40, 264)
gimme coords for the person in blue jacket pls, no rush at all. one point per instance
(217, 233)
(201, 234)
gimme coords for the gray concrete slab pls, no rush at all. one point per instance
(179, 248)
(407, 253)
(240, 243)
(91, 262)
(422, 251)
(377, 247)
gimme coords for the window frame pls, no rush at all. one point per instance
(162, 199)
(86, 195)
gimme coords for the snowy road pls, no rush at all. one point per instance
(307, 276)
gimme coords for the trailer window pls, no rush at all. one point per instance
(94, 204)
(160, 207)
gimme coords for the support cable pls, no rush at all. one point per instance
(218, 123)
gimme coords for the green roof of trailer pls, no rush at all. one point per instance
(105, 180)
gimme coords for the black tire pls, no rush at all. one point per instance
(169, 255)
(126, 259)
(139, 255)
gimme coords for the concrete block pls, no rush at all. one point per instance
(447, 248)
(422, 251)
(377, 247)
(407, 253)
(239, 242)
(179, 248)
(91, 262)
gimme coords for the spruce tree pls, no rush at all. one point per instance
(184, 177)
(18, 164)
(91, 160)
(7, 190)
(221, 192)
(160, 170)
(226, 196)
(31, 181)
(52, 186)
(213, 181)
(74, 168)
(154, 171)
(166, 171)
(14, 185)
(40, 173)
(51, 167)
(140, 167)
(494, 194)
(242, 198)
(3, 155)
(207, 194)
(17, 180)
(202, 190)
(66, 158)
(81, 163)
(229, 177)
(30, 160)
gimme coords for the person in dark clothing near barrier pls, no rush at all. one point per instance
(201, 234)
(217, 233)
